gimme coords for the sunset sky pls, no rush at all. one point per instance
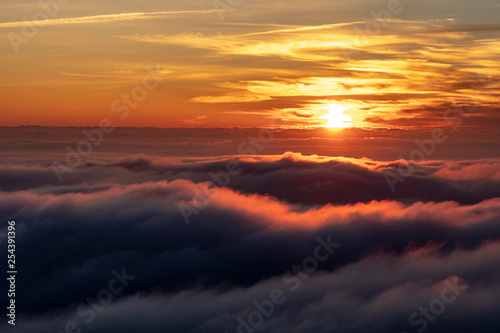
(302, 62)
(250, 166)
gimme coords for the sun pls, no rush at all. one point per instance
(336, 117)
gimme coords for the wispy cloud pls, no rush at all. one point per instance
(103, 18)
(408, 65)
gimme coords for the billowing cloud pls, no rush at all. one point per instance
(387, 254)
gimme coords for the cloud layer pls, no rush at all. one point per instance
(394, 252)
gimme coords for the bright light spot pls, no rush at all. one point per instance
(336, 117)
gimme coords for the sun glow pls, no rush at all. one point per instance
(336, 117)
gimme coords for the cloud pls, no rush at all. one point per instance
(103, 18)
(398, 75)
(292, 177)
(140, 226)
(384, 270)
(123, 210)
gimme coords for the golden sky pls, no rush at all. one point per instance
(296, 63)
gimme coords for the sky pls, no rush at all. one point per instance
(249, 63)
(250, 166)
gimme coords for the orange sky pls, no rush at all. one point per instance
(299, 63)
